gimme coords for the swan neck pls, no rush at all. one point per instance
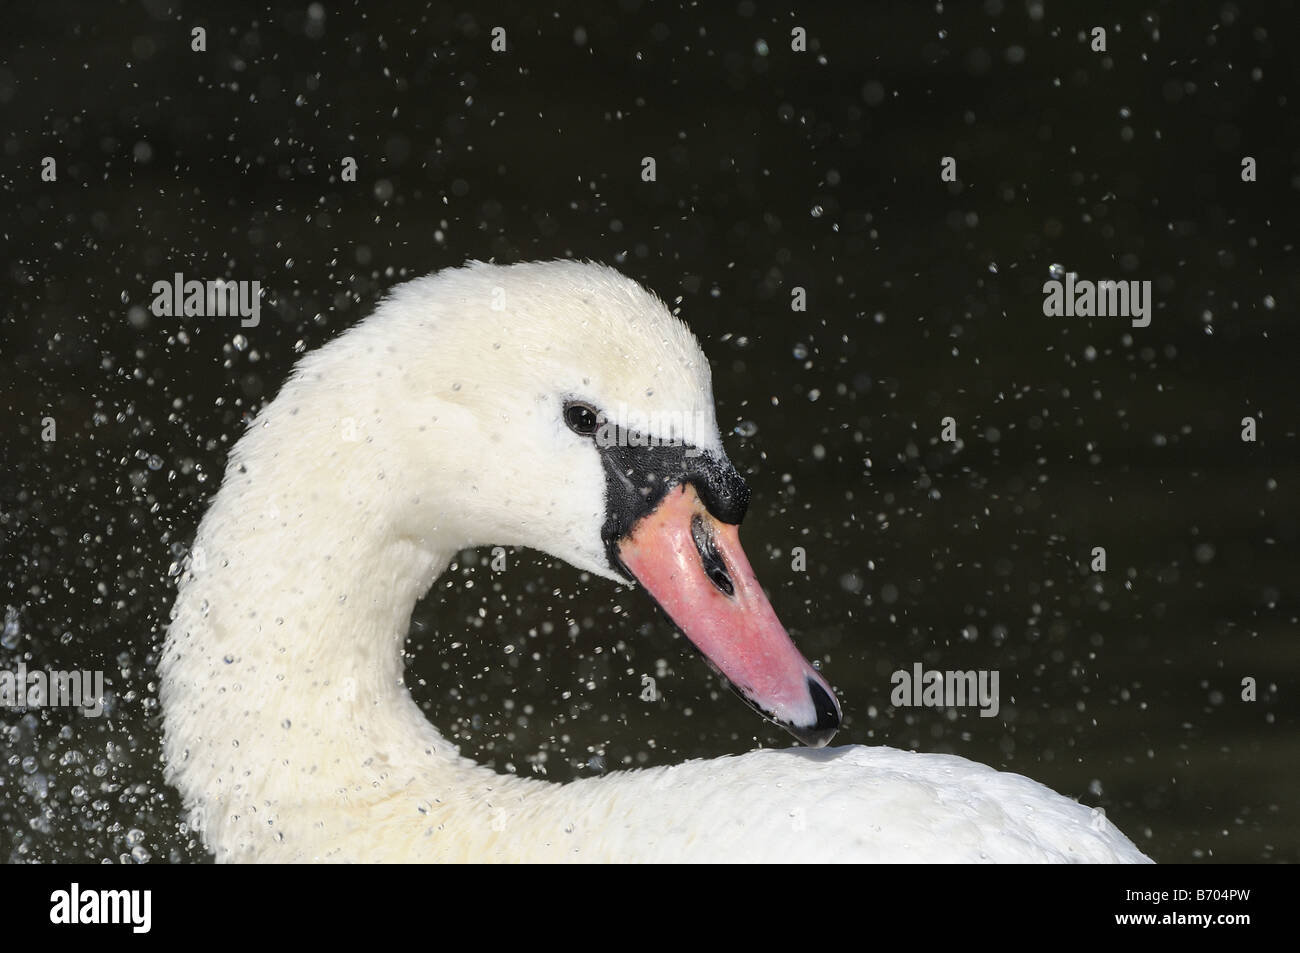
(282, 676)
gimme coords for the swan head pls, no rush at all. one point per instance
(562, 407)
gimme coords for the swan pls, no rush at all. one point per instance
(560, 406)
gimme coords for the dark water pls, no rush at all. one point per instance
(775, 169)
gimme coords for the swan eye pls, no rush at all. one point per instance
(581, 418)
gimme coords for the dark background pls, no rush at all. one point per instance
(775, 169)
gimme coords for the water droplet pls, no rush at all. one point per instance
(12, 633)
(1057, 271)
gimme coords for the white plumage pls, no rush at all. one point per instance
(432, 426)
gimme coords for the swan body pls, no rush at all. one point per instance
(455, 416)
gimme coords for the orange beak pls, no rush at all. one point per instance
(693, 566)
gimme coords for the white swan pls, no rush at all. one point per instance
(459, 415)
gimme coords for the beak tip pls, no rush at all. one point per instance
(811, 737)
(819, 734)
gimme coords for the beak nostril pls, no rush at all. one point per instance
(712, 562)
(722, 581)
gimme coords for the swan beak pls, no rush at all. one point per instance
(693, 566)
